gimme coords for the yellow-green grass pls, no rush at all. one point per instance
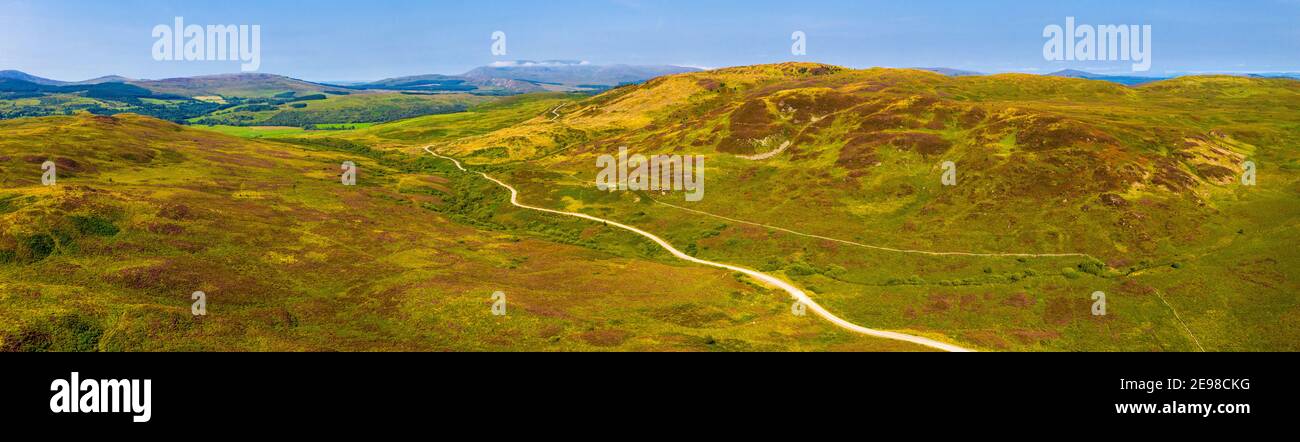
(483, 119)
(1143, 181)
(145, 213)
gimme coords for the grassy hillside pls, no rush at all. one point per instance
(321, 109)
(410, 134)
(1141, 182)
(235, 85)
(236, 101)
(19, 98)
(145, 213)
(824, 176)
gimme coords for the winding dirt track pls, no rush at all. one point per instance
(794, 292)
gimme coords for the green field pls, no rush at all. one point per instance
(255, 131)
(340, 110)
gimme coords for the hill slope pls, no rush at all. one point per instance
(1128, 80)
(1142, 183)
(145, 213)
(526, 77)
(568, 73)
(234, 85)
(23, 76)
(450, 83)
(830, 178)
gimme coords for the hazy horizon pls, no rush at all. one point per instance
(333, 41)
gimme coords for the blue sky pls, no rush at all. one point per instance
(328, 40)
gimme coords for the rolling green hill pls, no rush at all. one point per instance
(311, 110)
(521, 77)
(21, 98)
(233, 100)
(145, 213)
(1142, 183)
(236, 85)
(824, 176)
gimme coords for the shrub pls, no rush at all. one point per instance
(311, 97)
(36, 247)
(1092, 267)
(94, 225)
(801, 269)
(257, 108)
(691, 249)
(68, 333)
(76, 333)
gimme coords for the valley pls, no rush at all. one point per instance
(822, 181)
(267, 100)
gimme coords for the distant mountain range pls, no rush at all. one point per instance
(235, 85)
(1127, 80)
(23, 76)
(1137, 80)
(502, 78)
(574, 73)
(1067, 73)
(506, 78)
(1292, 75)
(438, 83)
(268, 99)
(230, 85)
(526, 76)
(952, 72)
